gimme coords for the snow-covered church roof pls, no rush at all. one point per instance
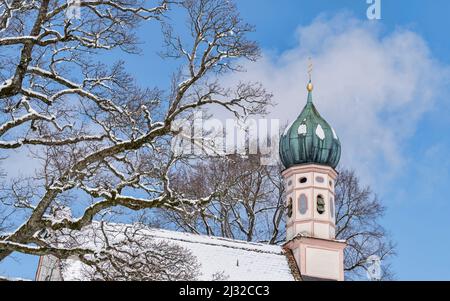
(234, 260)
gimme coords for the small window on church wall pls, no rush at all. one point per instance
(289, 183)
(289, 208)
(320, 179)
(332, 208)
(320, 204)
(303, 180)
(303, 204)
(331, 183)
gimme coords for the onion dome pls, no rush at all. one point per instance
(310, 139)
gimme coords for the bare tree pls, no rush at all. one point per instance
(358, 213)
(101, 141)
(6, 211)
(253, 209)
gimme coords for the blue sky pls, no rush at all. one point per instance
(406, 160)
(416, 195)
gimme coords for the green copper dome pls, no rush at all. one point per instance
(310, 139)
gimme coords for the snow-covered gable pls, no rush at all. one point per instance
(234, 260)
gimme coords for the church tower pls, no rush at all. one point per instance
(310, 151)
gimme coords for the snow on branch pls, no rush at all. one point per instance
(100, 142)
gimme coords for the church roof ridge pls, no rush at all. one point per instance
(203, 239)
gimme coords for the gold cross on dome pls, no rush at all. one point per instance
(310, 68)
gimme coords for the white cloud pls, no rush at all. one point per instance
(371, 87)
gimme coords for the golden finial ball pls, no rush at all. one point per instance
(310, 87)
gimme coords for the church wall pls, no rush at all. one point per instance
(48, 269)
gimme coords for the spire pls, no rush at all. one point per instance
(309, 139)
(310, 86)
